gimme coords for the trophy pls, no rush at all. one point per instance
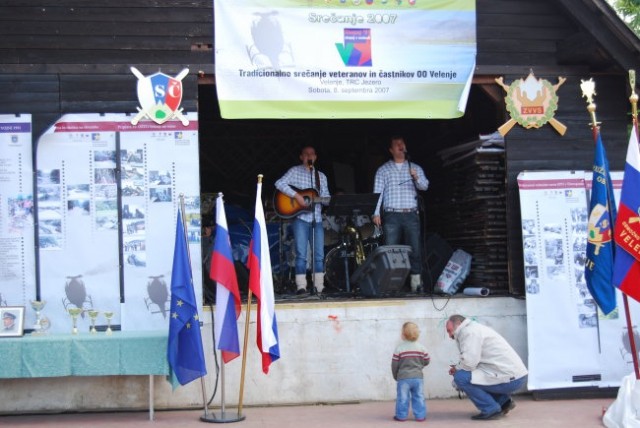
(108, 315)
(42, 323)
(93, 314)
(74, 312)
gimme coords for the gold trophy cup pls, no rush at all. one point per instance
(108, 315)
(93, 314)
(74, 312)
(42, 323)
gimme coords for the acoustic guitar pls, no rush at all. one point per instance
(287, 207)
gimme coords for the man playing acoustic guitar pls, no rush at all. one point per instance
(301, 184)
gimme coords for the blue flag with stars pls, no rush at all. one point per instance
(184, 349)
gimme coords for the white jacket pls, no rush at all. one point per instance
(487, 355)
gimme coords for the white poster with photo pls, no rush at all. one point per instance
(159, 165)
(571, 343)
(110, 186)
(17, 270)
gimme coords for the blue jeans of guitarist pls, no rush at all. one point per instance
(302, 236)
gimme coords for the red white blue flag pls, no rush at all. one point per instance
(626, 275)
(227, 291)
(261, 284)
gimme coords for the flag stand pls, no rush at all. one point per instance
(226, 287)
(224, 417)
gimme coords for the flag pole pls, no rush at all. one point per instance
(589, 91)
(246, 336)
(211, 417)
(633, 99)
(184, 227)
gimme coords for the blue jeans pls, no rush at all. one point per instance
(487, 398)
(404, 229)
(410, 391)
(302, 236)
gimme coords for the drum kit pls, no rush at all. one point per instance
(349, 238)
(344, 254)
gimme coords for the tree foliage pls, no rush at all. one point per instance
(629, 10)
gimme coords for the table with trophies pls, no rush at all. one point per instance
(95, 353)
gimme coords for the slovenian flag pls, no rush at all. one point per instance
(261, 284)
(602, 215)
(227, 291)
(626, 274)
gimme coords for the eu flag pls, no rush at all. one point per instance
(184, 350)
(602, 217)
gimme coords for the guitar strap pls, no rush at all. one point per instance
(317, 180)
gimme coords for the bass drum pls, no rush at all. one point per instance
(334, 267)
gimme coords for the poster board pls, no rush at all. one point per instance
(108, 193)
(571, 343)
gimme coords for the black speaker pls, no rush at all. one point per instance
(438, 252)
(384, 272)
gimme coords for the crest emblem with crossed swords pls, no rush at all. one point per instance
(160, 96)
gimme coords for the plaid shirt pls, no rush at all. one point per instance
(302, 178)
(396, 186)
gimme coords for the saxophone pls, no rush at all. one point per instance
(357, 240)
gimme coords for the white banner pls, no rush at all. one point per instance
(571, 343)
(82, 161)
(357, 59)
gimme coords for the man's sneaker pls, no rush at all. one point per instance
(301, 292)
(508, 406)
(395, 418)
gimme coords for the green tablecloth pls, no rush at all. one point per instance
(55, 355)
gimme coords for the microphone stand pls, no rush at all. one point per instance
(422, 231)
(313, 229)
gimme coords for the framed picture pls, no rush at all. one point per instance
(12, 321)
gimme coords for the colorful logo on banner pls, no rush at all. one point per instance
(532, 103)
(599, 227)
(160, 96)
(356, 49)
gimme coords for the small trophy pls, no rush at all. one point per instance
(108, 315)
(74, 312)
(93, 314)
(42, 323)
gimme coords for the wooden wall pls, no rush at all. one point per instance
(65, 56)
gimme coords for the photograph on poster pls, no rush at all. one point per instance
(157, 194)
(131, 156)
(106, 191)
(48, 176)
(105, 175)
(12, 321)
(159, 178)
(20, 213)
(48, 193)
(135, 244)
(130, 211)
(105, 157)
(137, 259)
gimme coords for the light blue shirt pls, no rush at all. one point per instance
(396, 187)
(303, 178)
